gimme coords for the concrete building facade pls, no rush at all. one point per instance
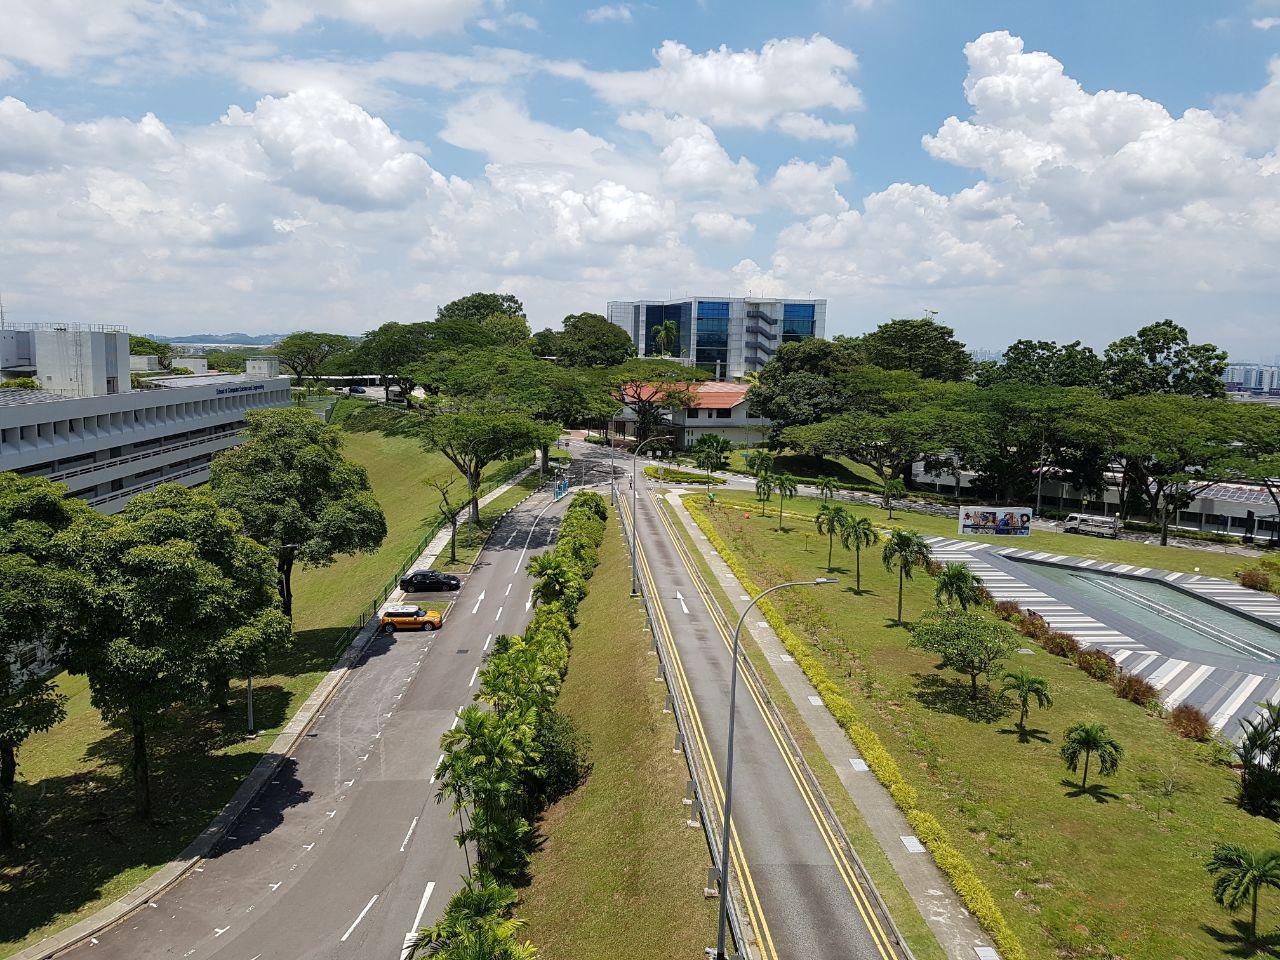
(727, 336)
(70, 360)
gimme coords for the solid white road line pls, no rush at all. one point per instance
(409, 834)
(435, 768)
(356, 922)
(532, 527)
(479, 599)
(417, 920)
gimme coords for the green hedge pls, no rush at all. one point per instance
(972, 891)
(676, 475)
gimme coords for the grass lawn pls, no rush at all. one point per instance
(1208, 562)
(619, 874)
(79, 847)
(1117, 871)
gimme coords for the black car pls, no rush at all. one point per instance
(356, 390)
(426, 581)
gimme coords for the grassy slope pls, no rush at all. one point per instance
(1119, 872)
(619, 875)
(1209, 562)
(80, 847)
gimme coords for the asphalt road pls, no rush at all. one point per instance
(347, 853)
(803, 895)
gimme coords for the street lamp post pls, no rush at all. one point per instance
(635, 457)
(725, 855)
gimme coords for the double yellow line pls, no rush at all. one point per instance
(861, 898)
(741, 868)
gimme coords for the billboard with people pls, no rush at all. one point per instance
(996, 521)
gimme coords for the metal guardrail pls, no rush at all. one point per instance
(681, 712)
(136, 457)
(144, 487)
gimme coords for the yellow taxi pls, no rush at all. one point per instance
(410, 617)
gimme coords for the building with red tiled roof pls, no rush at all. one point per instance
(716, 407)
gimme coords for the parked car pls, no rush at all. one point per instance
(410, 617)
(1098, 526)
(428, 581)
(355, 390)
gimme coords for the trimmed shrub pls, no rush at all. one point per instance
(1131, 687)
(676, 475)
(1034, 626)
(932, 567)
(1255, 580)
(1099, 665)
(1007, 610)
(1190, 721)
(1060, 644)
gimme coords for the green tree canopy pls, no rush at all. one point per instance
(298, 495)
(308, 355)
(921, 345)
(1160, 358)
(589, 340)
(970, 643)
(1045, 363)
(140, 346)
(178, 599)
(40, 599)
(478, 307)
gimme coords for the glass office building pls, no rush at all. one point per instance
(727, 336)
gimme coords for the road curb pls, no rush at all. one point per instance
(285, 742)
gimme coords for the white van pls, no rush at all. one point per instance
(1098, 526)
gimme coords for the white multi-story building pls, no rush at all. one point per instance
(715, 408)
(1252, 378)
(88, 429)
(727, 336)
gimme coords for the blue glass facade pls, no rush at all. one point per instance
(655, 316)
(797, 321)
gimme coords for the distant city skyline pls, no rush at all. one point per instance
(1025, 169)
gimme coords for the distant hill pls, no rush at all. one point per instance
(258, 340)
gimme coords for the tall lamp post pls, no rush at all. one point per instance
(725, 855)
(635, 458)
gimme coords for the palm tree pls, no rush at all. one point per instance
(1239, 873)
(893, 487)
(785, 486)
(859, 532)
(759, 461)
(831, 519)
(957, 584)
(664, 335)
(710, 453)
(477, 922)
(1026, 686)
(827, 488)
(558, 580)
(764, 485)
(1086, 739)
(905, 550)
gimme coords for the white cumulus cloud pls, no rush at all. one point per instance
(721, 227)
(609, 13)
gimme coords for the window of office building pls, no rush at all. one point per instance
(656, 316)
(713, 308)
(713, 344)
(797, 321)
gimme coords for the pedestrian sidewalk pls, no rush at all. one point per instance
(164, 878)
(956, 930)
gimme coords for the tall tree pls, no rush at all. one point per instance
(589, 340)
(859, 532)
(652, 388)
(1045, 363)
(391, 351)
(306, 354)
(473, 439)
(1239, 874)
(477, 924)
(831, 519)
(968, 643)
(298, 495)
(921, 345)
(176, 592)
(1085, 740)
(905, 551)
(1026, 688)
(39, 601)
(146, 346)
(800, 384)
(478, 307)
(1160, 358)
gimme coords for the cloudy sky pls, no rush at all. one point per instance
(1056, 170)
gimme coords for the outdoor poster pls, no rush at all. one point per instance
(996, 521)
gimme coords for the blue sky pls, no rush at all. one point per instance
(1045, 170)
